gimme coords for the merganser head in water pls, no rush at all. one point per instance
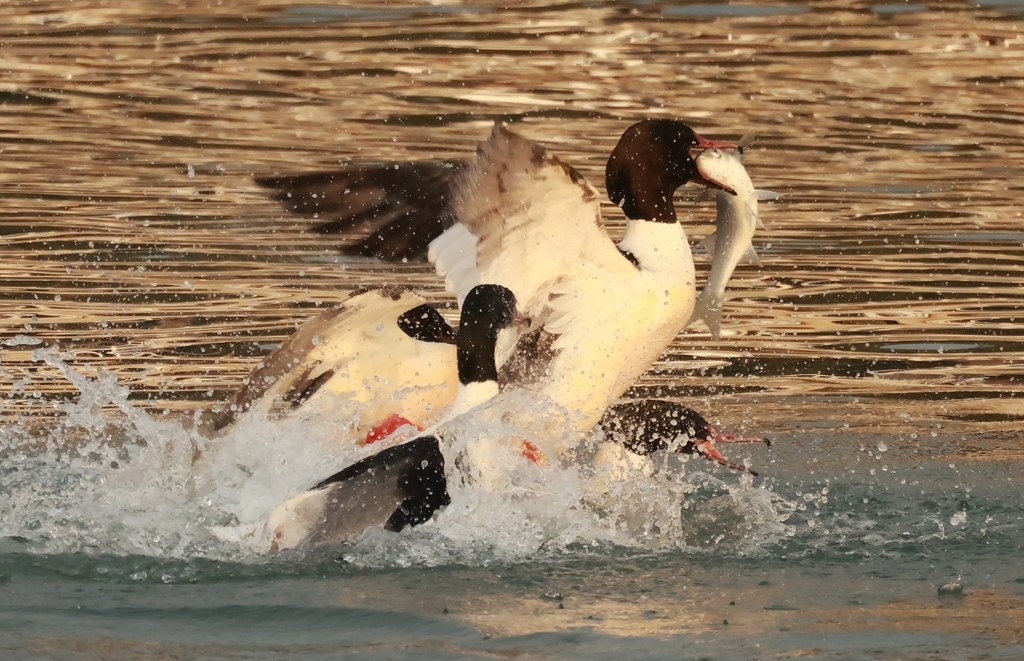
(650, 425)
(402, 485)
(651, 160)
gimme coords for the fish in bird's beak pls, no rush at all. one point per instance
(706, 178)
(713, 170)
(711, 183)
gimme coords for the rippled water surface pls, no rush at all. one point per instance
(880, 344)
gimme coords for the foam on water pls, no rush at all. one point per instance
(110, 478)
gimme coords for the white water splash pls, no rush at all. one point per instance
(112, 478)
(22, 340)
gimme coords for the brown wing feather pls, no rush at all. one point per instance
(395, 209)
(278, 369)
(276, 364)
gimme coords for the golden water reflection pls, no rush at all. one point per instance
(133, 236)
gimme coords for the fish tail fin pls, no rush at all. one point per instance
(745, 141)
(708, 309)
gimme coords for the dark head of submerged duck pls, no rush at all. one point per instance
(649, 425)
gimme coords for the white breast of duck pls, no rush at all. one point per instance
(626, 322)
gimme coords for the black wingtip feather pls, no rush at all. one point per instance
(399, 208)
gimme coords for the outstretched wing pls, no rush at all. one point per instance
(525, 220)
(330, 343)
(394, 210)
(531, 223)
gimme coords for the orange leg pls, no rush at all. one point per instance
(387, 427)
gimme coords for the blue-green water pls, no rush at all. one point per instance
(671, 607)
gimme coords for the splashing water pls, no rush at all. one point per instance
(109, 478)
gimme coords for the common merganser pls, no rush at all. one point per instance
(601, 312)
(730, 243)
(402, 485)
(378, 363)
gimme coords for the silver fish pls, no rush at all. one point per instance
(736, 221)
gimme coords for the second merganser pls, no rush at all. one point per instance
(651, 425)
(401, 485)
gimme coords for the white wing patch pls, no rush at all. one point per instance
(453, 254)
(580, 302)
(525, 220)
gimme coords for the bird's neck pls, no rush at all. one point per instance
(657, 246)
(475, 354)
(470, 395)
